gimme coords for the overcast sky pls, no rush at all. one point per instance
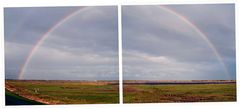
(83, 48)
(159, 45)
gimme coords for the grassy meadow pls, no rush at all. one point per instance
(66, 92)
(179, 93)
(105, 92)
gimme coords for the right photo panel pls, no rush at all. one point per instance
(179, 53)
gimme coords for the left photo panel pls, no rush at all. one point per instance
(61, 55)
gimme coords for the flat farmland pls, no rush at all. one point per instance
(66, 92)
(179, 91)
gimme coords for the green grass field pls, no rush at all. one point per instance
(101, 92)
(179, 93)
(66, 92)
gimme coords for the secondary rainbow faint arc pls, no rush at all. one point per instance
(178, 15)
(45, 35)
(201, 33)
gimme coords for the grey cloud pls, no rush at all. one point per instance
(215, 21)
(26, 25)
(150, 33)
(84, 47)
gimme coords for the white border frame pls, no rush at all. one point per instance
(119, 3)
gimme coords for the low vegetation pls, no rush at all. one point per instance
(66, 92)
(102, 92)
(179, 93)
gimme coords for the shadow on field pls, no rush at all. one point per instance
(13, 99)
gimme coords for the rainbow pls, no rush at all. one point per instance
(74, 13)
(44, 37)
(201, 33)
